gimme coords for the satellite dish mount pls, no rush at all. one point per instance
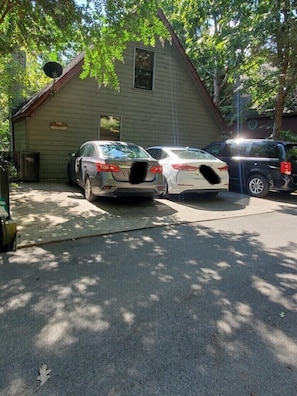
(53, 70)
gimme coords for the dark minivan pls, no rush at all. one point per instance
(258, 165)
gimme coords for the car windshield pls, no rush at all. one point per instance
(118, 150)
(193, 154)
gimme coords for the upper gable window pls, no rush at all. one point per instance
(144, 69)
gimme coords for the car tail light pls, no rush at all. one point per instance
(156, 169)
(184, 167)
(223, 168)
(286, 167)
(103, 167)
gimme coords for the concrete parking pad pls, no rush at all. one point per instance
(49, 212)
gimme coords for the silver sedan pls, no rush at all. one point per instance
(115, 168)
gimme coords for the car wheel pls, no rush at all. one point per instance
(164, 193)
(258, 186)
(88, 191)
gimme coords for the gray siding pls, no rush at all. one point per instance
(173, 113)
(20, 135)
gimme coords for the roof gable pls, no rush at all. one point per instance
(69, 71)
(75, 67)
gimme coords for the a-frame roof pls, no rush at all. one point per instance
(75, 67)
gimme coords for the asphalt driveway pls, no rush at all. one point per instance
(206, 308)
(49, 212)
(203, 308)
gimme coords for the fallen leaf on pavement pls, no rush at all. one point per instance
(43, 374)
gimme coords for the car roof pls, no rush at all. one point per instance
(238, 140)
(174, 147)
(97, 142)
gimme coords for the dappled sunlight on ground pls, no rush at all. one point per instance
(283, 347)
(154, 311)
(48, 212)
(275, 293)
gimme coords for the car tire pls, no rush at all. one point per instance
(257, 186)
(88, 191)
(164, 193)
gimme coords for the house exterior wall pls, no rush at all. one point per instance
(174, 112)
(259, 127)
(19, 127)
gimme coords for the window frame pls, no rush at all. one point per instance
(147, 87)
(117, 135)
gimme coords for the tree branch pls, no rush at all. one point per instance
(5, 7)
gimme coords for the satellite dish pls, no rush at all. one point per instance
(53, 69)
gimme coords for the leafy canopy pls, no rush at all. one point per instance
(55, 30)
(238, 47)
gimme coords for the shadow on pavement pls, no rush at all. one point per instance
(224, 201)
(48, 212)
(174, 310)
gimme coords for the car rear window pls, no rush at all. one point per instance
(193, 154)
(123, 151)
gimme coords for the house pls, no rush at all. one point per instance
(161, 101)
(259, 126)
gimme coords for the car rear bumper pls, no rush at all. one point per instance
(127, 190)
(107, 186)
(184, 189)
(122, 192)
(284, 183)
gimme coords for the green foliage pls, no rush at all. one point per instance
(288, 136)
(273, 71)
(37, 25)
(16, 84)
(239, 48)
(247, 47)
(109, 34)
(216, 35)
(54, 30)
(62, 28)
(293, 154)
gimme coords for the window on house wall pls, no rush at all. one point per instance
(110, 127)
(144, 69)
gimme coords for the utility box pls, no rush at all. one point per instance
(29, 166)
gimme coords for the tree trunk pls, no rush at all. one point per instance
(216, 87)
(283, 55)
(278, 113)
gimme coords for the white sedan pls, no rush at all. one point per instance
(187, 169)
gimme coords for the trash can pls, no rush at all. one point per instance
(29, 166)
(4, 186)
